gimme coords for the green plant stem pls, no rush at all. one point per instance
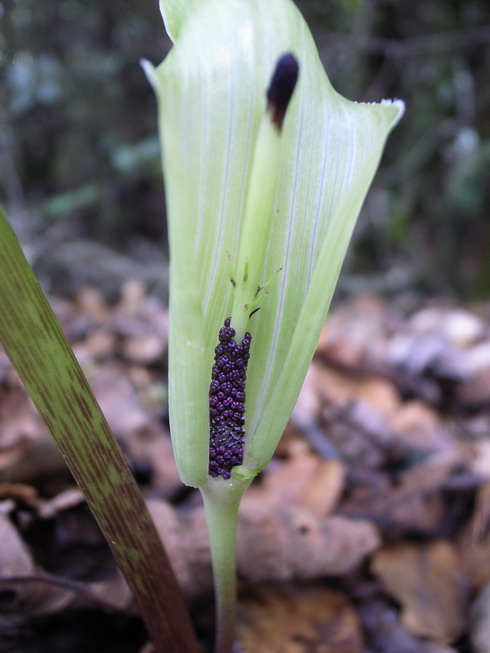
(44, 360)
(221, 502)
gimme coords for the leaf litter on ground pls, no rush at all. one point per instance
(368, 532)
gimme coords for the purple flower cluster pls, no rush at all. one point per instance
(227, 402)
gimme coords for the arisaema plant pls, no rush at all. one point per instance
(262, 196)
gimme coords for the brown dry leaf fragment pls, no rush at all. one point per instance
(481, 463)
(151, 446)
(15, 560)
(415, 503)
(90, 302)
(481, 517)
(420, 426)
(428, 477)
(7, 507)
(304, 479)
(309, 404)
(70, 498)
(355, 329)
(475, 392)
(20, 492)
(42, 595)
(31, 461)
(480, 622)
(427, 581)
(139, 314)
(297, 620)
(99, 344)
(185, 537)
(474, 544)
(67, 542)
(324, 489)
(32, 592)
(33, 596)
(118, 399)
(291, 436)
(18, 419)
(475, 556)
(288, 544)
(292, 543)
(336, 387)
(385, 633)
(460, 327)
(133, 293)
(20, 599)
(478, 357)
(113, 592)
(361, 435)
(145, 349)
(428, 354)
(433, 647)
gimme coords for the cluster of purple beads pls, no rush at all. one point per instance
(227, 402)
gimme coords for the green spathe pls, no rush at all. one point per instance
(211, 92)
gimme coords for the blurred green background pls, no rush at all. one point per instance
(79, 162)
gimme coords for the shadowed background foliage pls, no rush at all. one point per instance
(79, 162)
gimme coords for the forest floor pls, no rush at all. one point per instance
(368, 532)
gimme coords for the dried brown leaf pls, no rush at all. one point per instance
(292, 543)
(303, 479)
(421, 427)
(31, 461)
(480, 622)
(15, 559)
(118, 399)
(335, 387)
(385, 633)
(274, 544)
(427, 581)
(414, 503)
(152, 446)
(145, 349)
(19, 421)
(297, 620)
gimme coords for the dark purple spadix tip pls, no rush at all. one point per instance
(227, 402)
(281, 88)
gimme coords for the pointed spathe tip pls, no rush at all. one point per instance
(150, 72)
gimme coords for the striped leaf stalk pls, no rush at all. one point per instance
(40, 353)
